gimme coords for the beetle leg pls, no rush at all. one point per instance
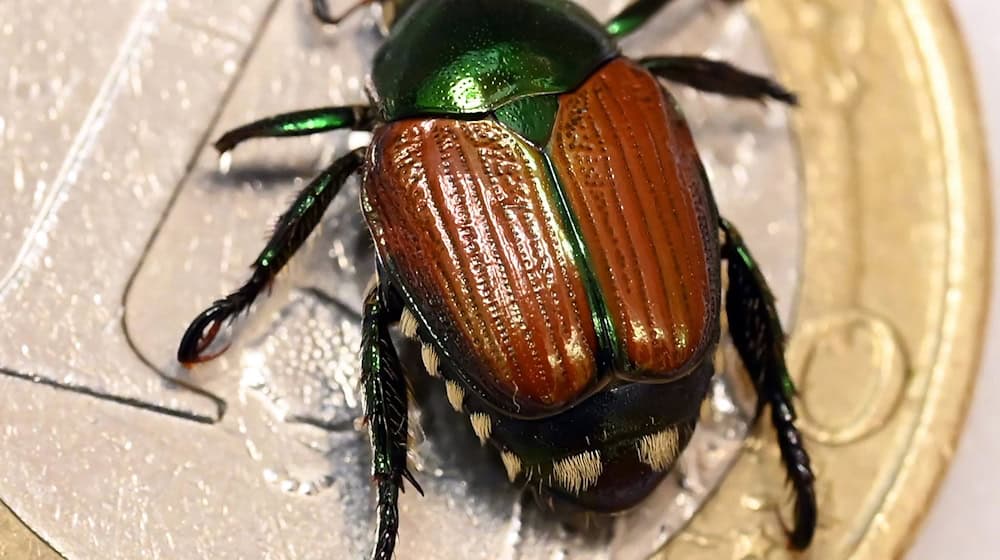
(385, 393)
(636, 14)
(300, 123)
(714, 76)
(293, 228)
(756, 330)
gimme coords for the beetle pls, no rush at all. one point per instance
(545, 229)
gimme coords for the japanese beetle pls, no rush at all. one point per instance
(544, 227)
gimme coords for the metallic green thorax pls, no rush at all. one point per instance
(454, 57)
(531, 117)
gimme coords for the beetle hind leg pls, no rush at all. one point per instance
(385, 393)
(292, 230)
(715, 76)
(300, 123)
(756, 331)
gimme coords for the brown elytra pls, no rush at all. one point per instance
(461, 215)
(627, 162)
(465, 218)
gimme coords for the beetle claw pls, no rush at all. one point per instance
(800, 534)
(201, 334)
(413, 481)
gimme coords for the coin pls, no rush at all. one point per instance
(858, 210)
(889, 330)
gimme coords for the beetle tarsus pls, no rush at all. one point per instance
(798, 468)
(758, 336)
(291, 232)
(715, 76)
(388, 521)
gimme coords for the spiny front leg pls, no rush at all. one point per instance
(292, 230)
(300, 123)
(756, 331)
(714, 76)
(385, 393)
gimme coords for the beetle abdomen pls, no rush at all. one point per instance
(462, 215)
(628, 165)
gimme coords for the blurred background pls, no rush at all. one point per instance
(963, 521)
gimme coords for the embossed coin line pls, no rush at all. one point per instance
(92, 125)
(213, 122)
(202, 26)
(327, 299)
(41, 538)
(342, 426)
(108, 397)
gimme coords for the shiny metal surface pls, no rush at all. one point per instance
(118, 227)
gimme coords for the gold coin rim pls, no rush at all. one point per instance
(942, 37)
(942, 418)
(943, 82)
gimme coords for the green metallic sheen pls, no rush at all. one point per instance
(460, 57)
(611, 354)
(531, 117)
(299, 123)
(306, 202)
(325, 122)
(634, 16)
(313, 121)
